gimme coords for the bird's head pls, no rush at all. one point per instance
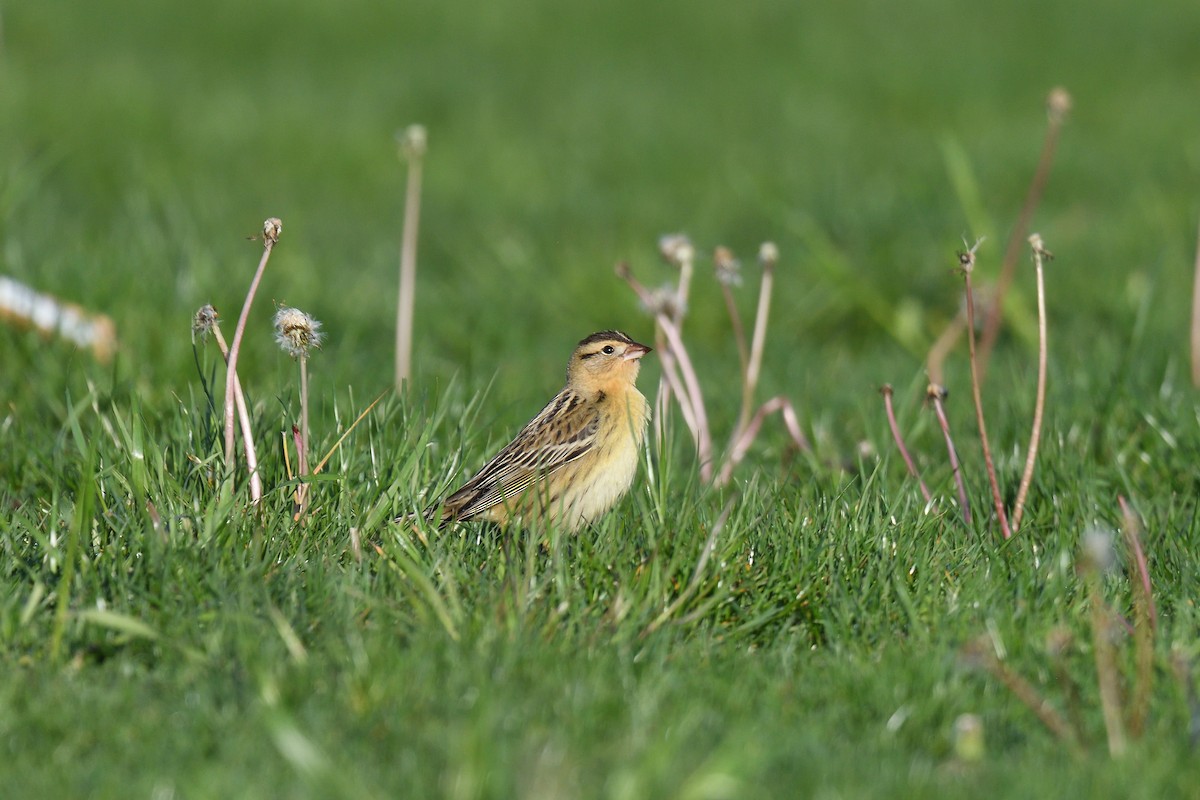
(605, 358)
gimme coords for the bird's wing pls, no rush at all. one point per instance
(562, 433)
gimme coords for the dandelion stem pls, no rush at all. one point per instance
(937, 394)
(239, 398)
(1039, 253)
(941, 348)
(703, 436)
(302, 455)
(413, 146)
(1058, 103)
(1106, 666)
(742, 445)
(1145, 621)
(769, 256)
(739, 332)
(271, 230)
(887, 392)
(968, 265)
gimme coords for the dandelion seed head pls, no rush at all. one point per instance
(296, 332)
(413, 141)
(728, 268)
(676, 248)
(768, 254)
(1058, 103)
(204, 321)
(663, 300)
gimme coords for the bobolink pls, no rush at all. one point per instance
(577, 457)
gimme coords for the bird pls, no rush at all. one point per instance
(574, 460)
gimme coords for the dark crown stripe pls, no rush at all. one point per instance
(606, 336)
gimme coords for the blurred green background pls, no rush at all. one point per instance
(144, 141)
(141, 143)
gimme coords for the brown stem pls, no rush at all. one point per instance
(414, 149)
(739, 332)
(740, 447)
(886, 391)
(968, 265)
(704, 437)
(271, 230)
(1145, 621)
(1057, 105)
(937, 395)
(302, 445)
(1039, 253)
(1107, 675)
(757, 344)
(941, 348)
(256, 489)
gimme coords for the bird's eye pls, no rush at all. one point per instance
(608, 350)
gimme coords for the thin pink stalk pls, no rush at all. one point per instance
(1132, 530)
(671, 376)
(728, 273)
(1196, 319)
(703, 436)
(1145, 623)
(413, 146)
(1107, 675)
(937, 395)
(302, 444)
(271, 230)
(768, 257)
(887, 392)
(1039, 253)
(256, 489)
(967, 260)
(941, 348)
(1058, 103)
(742, 445)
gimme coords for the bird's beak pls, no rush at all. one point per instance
(634, 352)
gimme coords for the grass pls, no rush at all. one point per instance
(157, 638)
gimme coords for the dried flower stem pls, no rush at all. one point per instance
(1196, 319)
(674, 358)
(1039, 253)
(739, 331)
(742, 445)
(271, 230)
(887, 392)
(413, 143)
(1107, 675)
(302, 444)
(768, 257)
(239, 398)
(1058, 103)
(1024, 691)
(967, 260)
(703, 436)
(1145, 621)
(937, 395)
(942, 347)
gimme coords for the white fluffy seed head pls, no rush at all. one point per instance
(296, 332)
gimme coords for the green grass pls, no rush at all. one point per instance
(156, 639)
